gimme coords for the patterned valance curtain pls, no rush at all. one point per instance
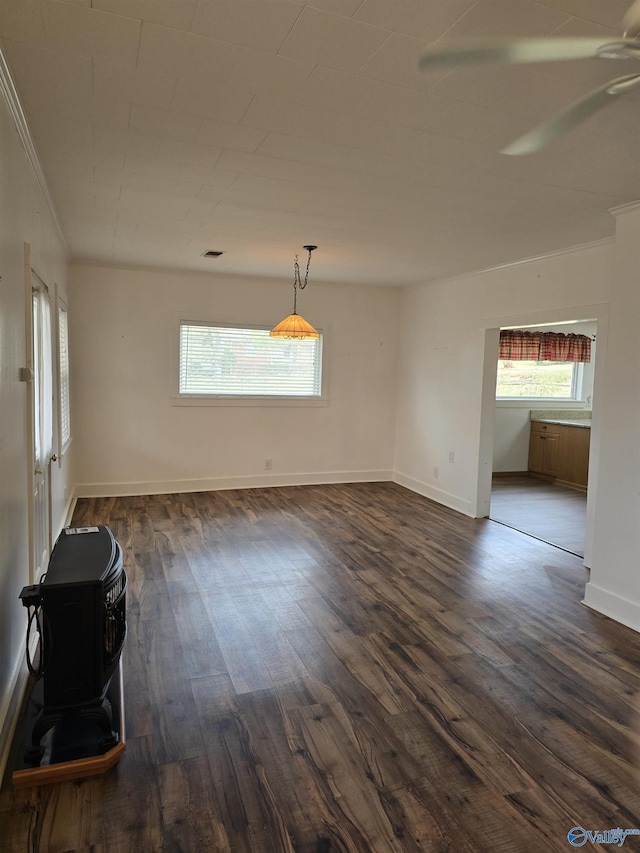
(517, 345)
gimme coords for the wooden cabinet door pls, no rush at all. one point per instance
(550, 454)
(536, 452)
(573, 463)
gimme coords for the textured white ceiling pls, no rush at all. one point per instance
(167, 128)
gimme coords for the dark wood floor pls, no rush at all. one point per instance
(552, 513)
(349, 668)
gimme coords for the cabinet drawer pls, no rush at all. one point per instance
(545, 429)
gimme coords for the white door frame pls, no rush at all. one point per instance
(38, 478)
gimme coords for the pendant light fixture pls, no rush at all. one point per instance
(295, 326)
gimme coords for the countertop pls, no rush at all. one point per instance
(582, 422)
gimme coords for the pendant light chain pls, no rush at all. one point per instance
(297, 281)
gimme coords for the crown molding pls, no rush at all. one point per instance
(10, 93)
(624, 208)
(581, 247)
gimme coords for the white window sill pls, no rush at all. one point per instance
(278, 402)
(549, 402)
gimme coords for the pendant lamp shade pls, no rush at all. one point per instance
(294, 326)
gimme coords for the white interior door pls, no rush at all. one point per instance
(42, 420)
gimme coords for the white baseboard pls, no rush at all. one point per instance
(214, 484)
(10, 709)
(437, 495)
(612, 605)
(69, 508)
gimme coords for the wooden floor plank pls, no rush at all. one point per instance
(197, 635)
(242, 791)
(311, 817)
(349, 668)
(341, 774)
(177, 735)
(126, 813)
(139, 717)
(189, 818)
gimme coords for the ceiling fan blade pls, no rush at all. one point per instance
(548, 131)
(631, 20)
(523, 50)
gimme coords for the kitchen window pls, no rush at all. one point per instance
(538, 380)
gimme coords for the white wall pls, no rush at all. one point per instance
(511, 437)
(614, 586)
(23, 217)
(131, 439)
(512, 423)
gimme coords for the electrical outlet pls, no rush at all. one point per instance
(267, 464)
(436, 472)
(452, 456)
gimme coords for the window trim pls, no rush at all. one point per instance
(239, 400)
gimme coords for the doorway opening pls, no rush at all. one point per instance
(540, 504)
(541, 439)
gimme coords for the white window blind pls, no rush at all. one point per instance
(219, 360)
(63, 367)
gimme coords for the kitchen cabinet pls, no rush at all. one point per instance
(560, 452)
(543, 448)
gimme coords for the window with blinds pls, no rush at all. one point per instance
(232, 361)
(63, 378)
